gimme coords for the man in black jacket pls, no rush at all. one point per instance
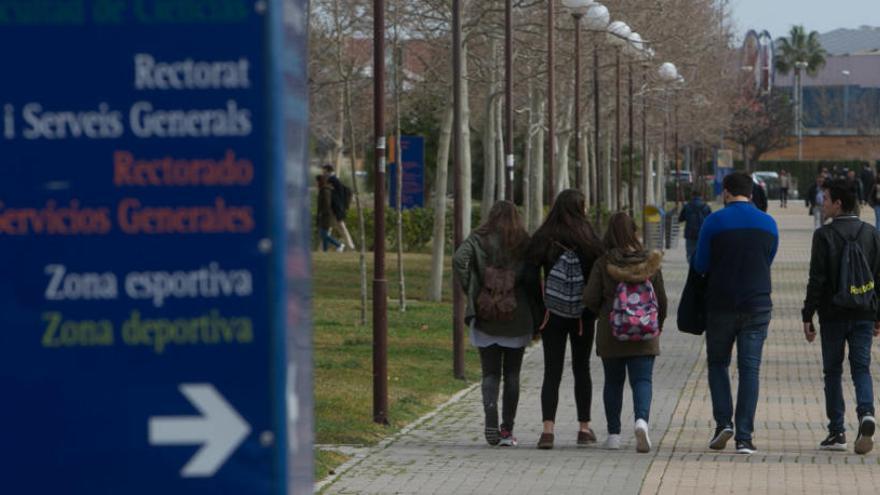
(842, 326)
(339, 202)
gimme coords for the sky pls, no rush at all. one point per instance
(777, 16)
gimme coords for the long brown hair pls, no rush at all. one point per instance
(505, 222)
(567, 224)
(622, 233)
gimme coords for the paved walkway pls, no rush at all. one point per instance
(447, 453)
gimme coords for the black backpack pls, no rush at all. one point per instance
(855, 288)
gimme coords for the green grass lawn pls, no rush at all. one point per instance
(419, 353)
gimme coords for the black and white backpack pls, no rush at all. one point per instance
(564, 289)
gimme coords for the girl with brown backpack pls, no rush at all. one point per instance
(503, 310)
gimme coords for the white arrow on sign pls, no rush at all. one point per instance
(219, 429)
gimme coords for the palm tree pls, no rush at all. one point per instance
(800, 47)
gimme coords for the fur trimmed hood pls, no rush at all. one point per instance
(633, 267)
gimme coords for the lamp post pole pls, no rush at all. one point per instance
(551, 101)
(846, 75)
(508, 98)
(597, 180)
(380, 285)
(617, 148)
(578, 170)
(630, 182)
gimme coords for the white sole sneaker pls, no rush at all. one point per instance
(612, 442)
(865, 441)
(643, 442)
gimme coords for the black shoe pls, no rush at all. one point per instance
(493, 436)
(745, 447)
(865, 439)
(722, 435)
(835, 442)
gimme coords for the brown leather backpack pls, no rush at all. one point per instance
(497, 299)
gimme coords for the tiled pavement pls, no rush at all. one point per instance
(447, 453)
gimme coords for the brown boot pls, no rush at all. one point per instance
(546, 441)
(586, 437)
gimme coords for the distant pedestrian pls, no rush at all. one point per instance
(844, 265)
(867, 178)
(566, 246)
(759, 195)
(814, 200)
(503, 310)
(784, 187)
(341, 201)
(874, 201)
(325, 217)
(693, 214)
(855, 185)
(626, 290)
(736, 248)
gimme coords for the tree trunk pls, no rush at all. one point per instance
(488, 197)
(536, 171)
(585, 177)
(527, 164)
(398, 59)
(438, 251)
(362, 242)
(466, 181)
(500, 177)
(563, 141)
(610, 192)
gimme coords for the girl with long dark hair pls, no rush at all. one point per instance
(566, 246)
(626, 284)
(503, 310)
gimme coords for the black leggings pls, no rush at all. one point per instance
(495, 361)
(555, 333)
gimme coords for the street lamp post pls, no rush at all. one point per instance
(597, 19)
(635, 49)
(380, 285)
(578, 9)
(799, 68)
(846, 75)
(619, 34)
(551, 99)
(668, 73)
(508, 98)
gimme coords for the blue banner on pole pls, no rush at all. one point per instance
(412, 153)
(142, 247)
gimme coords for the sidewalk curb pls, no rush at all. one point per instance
(358, 458)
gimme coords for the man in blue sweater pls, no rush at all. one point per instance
(736, 248)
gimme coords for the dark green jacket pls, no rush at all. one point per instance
(469, 264)
(611, 269)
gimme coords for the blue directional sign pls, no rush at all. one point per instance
(142, 345)
(412, 155)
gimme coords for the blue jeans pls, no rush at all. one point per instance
(690, 248)
(641, 371)
(877, 217)
(835, 337)
(326, 239)
(748, 330)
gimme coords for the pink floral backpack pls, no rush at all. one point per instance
(635, 312)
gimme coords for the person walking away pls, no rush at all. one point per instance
(626, 290)
(325, 217)
(844, 266)
(868, 177)
(736, 248)
(341, 202)
(693, 214)
(503, 310)
(814, 200)
(566, 246)
(855, 185)
(874, 201)
(784, 187)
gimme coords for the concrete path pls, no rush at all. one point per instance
(447, 453)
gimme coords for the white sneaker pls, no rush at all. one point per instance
(643, 442)
(341, 248)
(612, 442)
